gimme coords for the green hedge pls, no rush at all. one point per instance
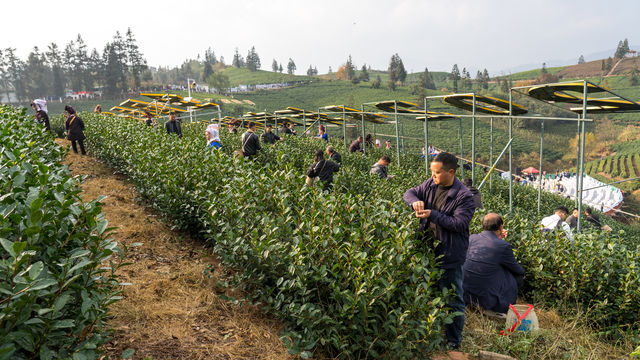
(55, 278)
(341, 268)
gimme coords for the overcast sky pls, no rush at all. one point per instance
(494, 34)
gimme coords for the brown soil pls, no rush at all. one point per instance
(171, 310)
(594, 68)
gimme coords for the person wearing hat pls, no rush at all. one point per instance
(98, 109)
(213, 136)
(173, 126)
(41, 116)
(75, 129)
(269, 137)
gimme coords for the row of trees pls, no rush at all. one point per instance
(49, 73)
(462, 80)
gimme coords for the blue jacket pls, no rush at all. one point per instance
(489, 272)
(452, 220)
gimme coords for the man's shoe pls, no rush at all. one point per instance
(452, 346)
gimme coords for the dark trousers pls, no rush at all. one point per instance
(452, 279)
(81, 143)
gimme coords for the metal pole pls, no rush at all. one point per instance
(540, 167)
(374, 134)
(461, 152)
(189, 107)
(473, 143)
(491, 156)
(344, 126)
(219, 117)
(402, 138)
(510, 153)
(364, 147)
(395, 109)
(318, 120)
(275, 122)
(304, 121)
(495, 163)
(581, 160)
(426, 138)
(577, 159)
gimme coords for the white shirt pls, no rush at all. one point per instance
(550, 223)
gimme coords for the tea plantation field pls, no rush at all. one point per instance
(57, 275)
(341, 269)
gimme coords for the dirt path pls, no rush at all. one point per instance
(171, 310)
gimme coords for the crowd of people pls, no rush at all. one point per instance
(480, 269)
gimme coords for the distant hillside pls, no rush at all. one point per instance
(244, 76)
(588, 69)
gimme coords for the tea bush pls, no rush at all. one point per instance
(56, 280)
(340, 267)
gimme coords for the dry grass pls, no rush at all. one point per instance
(171, 310)
(557, 338)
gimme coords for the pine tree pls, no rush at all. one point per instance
(397, 72)
(14, 69)
(96, 67)
(350, 69)
(485, 79)
(364, 74)
(291, 67)
(253, 60)
(466, 79)
(274, 65)
(137, 63)
(455, 76)
(210, 56)
(238, 61)
(544, 68)
(54, 61)
(81, 61)
(310, 71)
(581, 59)
(207, 71)
(427, 79)
(36, 73)
(625, 47)
(280, 68)
(120, 51)
(505, 86)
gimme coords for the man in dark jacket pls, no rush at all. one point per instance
(492, 275)
(250, 141)
(445, 208)
(572, 219)
(268, 137)
(173, 126)
(334, 155)
(323, 169)
(288, 129)
(380, 168)
(355, 145)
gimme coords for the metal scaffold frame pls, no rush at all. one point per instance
(507, 115)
